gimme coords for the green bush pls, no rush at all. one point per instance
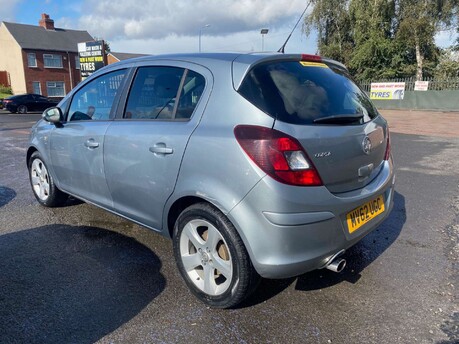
(5, 90)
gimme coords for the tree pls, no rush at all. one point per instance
(332, 21)
(419, 21)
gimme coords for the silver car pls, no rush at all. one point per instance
(266, 165)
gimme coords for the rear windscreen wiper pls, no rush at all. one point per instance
(338, 119)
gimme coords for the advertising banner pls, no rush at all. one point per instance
(387, 90)
(92, 57)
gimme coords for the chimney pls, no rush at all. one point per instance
(46, 22)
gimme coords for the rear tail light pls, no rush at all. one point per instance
(387, 155)
(277, 154)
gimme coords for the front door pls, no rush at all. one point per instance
(77, 147)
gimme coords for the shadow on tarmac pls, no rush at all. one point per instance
(65, 284)
(358, 258)
(6, 195)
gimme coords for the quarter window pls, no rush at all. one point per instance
(52, 61)
(165, 93)
(55, 88)
(32, 60)
(94, 100)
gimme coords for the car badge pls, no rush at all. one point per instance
(366, 145)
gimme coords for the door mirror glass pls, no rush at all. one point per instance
(52, 115)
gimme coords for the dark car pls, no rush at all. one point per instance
(28, 102)
(1, 103)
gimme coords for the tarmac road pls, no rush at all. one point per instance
(80, 275)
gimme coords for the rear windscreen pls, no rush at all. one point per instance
(306, 92)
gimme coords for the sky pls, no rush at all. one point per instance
(170, 26)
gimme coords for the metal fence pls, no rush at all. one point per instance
(434, 84)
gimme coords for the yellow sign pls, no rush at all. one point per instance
(363, 214)
(313, 64)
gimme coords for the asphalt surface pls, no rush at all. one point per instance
(77, 274)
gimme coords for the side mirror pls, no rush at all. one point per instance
(52, 115)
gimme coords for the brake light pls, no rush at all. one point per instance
(277, 154)
(311, 58)
(387, 155)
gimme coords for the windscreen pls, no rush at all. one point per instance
(303, 92)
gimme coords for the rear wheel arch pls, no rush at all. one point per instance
(177, 207)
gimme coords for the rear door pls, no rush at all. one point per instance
(144, 148)
(77, 147)
(327, 112)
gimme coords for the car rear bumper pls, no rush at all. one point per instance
(292, 230)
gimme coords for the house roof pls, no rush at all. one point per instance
(38, 38)
(125, 56)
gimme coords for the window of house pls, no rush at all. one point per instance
(52, 61)
(36, 87)
(94, 100)
(77, 62)
(164, 93)
(55, 88)
(32, 60)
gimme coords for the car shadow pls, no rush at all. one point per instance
(66, 284)
(358, 258)
(6, 195)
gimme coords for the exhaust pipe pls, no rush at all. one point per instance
(337, 265)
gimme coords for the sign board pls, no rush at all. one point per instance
(421, 85)
(92, 57)
(387, 90)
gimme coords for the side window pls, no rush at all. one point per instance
(164, 93)
(190, 95)
(94, 100)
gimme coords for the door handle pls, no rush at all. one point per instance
(160, 149)
(91, 143)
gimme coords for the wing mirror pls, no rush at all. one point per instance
(52, 115)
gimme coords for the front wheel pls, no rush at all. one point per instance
(212, 258)
(44, 189)
(22, 109)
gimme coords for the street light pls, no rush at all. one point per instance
(263, 33)
(200, 33)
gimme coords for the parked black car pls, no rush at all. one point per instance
(1, 103)
(28, 102)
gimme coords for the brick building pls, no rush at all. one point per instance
(41, 59)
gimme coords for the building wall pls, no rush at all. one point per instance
(67, 74)
(9, 60)
(111, 59)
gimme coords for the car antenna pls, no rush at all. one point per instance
(282, 48)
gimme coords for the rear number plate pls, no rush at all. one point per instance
(364, 214)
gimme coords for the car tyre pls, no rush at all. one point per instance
(212, 258)
(43, 186)
(22, 109)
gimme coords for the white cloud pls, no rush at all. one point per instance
(158, 19)
(445, 39)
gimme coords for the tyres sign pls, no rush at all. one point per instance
(387, 90)
(92, 57)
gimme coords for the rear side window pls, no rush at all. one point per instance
(164, 93)
(306, 92)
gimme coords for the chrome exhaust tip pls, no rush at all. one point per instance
(337, 265)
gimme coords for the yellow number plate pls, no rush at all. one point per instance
(363, 214)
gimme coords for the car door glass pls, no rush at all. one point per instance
(190, 95)
(94, 101)
(154, 92)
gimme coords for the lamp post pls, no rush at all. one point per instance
(263, 33)
(200, 33)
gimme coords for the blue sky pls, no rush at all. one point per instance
(162, 26)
